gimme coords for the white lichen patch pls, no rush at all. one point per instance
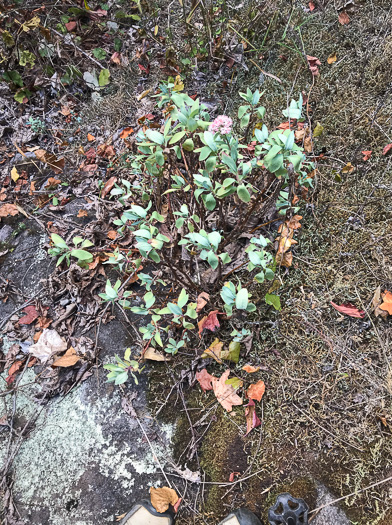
(72, 436)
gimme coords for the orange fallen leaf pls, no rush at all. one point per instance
(343, 18)
(251, 369)
(126, 132)
(387, 302)
(111, 234)
(312, 7)
(82, 213)
(162, 498)
(68, 359)
(90, 137)
(8, 209)
(225, 394)
(284, 259)
(256, 391)
(332, 58)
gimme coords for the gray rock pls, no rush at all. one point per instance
(331, 515)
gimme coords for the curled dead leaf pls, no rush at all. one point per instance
(8, 209)
(214, 350)
(252, 421)
(153, 355)
(387, 302)
(209, 322)
(162, 498)
(348, 309)
(332, 58)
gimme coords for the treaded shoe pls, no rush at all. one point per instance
(241, 517)
(143, 513)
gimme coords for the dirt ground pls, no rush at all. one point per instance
(327, 412)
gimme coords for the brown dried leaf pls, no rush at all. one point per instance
(82, 213)
(332, 58)
(153, 355)
(376, 302)
(214, 351)
(343, 18)
(387, 302)
(162, 498)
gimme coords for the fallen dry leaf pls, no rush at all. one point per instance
(8, 209)
(332, 58)
(224, 393)
(313, 62)
(294, 223)
(387, 302)
(214, 351)
(366, 154)
(343, 18)
(31, 315)
(201, 301)
(70, 358)
(252, 421)
(153, 355)
(108, 186)
(387, 148)
(162, 498)
(82, 213)
(90, 137)
(256, 391)
(14, 174)
(49, 344)
(348, 168)
(251, 369)
(349, 309)
(56, 164)
(15, 367)
(126, 132)
(205, 380)
(284, 259)
(111, 234)
(312, 7)
(376, 302)
(209, 322)
(71, 26)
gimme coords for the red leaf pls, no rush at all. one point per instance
(349, 309)
(70, 26)
(209, 322)
(387, 148)
(175, 507)
(252, 421)
(205, 380)
(31, 315)
(366, 154)
(143, 68)
(202, 300)
(232, 475)
(312, 7)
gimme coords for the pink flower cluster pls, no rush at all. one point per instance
(221, 124)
